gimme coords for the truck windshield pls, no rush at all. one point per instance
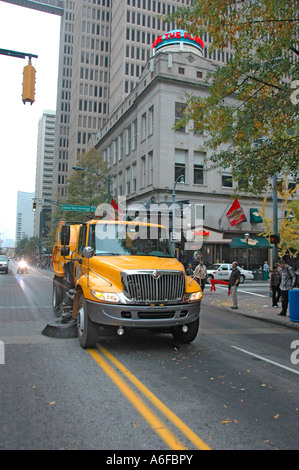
(129, 239)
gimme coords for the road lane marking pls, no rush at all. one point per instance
(157, 425)
(266, 360)
(244, 291)
(168, 437)
(184, 429)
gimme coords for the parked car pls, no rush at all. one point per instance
(221, 271)
(3, 263)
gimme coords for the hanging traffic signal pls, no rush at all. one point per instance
(274, 239)
(34, 206)
(28, 83)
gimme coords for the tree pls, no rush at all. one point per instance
(288, 226)
(86, 187)
(260, 125)
(29, 247)
(83, 188)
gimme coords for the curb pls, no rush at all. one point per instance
(259, 309)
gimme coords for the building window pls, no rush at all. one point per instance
(143, 128)
(179, 113)
(128, 140)
(180, 164)
(150, 168)
(121, 146)
(115, 156)
(151, 121)
(134, 139)
(134, 177)
(128, 181)
(227, 180)
(143, 172)
(198, 171)
(120, 184)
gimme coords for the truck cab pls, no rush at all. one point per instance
(123, 275)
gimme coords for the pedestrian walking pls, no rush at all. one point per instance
(266, 271)
(275, 280)
(233, 282)
(200, 274)
(189, 270)
(288, 281)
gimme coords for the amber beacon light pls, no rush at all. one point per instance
(28, 83)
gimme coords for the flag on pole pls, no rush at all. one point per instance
(235, 215)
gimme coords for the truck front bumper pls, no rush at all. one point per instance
(142, 316)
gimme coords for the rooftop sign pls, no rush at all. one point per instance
(178, 37)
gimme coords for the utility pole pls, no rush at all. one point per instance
(275, 220)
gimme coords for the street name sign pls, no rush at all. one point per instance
(71, 207)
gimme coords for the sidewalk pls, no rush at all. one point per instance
(252, 306)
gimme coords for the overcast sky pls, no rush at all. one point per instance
(30, 31)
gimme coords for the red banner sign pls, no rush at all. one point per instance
(235, 215)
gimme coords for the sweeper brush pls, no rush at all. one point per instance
(57, 329)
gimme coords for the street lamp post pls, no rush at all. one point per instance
(181, 180)
(246, 238)
(106, 178)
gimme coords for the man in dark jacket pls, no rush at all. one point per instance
(233, 283)
(288, 281)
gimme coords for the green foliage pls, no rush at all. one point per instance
(249, 107)
(29, 247)
(84, 188)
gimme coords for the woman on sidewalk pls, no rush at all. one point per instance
(275, 280)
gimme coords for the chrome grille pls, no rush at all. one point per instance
(154, 286)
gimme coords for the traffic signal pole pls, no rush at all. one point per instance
(28, 74)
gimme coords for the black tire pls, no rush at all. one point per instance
(189, 336)
(88, 332)
(242, 279)
(57, 294)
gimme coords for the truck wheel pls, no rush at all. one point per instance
(57, 294)
(189, 335)
(88, 332)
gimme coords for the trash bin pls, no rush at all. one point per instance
(294, 304)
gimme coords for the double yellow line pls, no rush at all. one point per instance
(154, 421)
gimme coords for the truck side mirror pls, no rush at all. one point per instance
(88, 252)
(65, 235)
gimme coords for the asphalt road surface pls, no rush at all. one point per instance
(235, 387)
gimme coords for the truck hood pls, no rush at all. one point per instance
(110, 267)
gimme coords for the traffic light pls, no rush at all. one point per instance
(34, 206)
(274, 239)
(28, 83)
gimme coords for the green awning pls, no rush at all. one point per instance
(255, 217)
(257, 242)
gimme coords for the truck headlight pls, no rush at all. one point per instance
(193, 296)
(105, 296)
